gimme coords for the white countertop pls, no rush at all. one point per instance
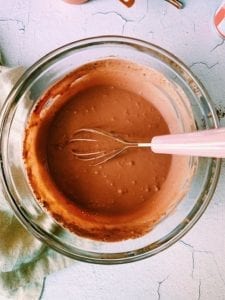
(193, 268)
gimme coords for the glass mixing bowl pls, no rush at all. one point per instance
(14, 117)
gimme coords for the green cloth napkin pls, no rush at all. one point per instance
(24, 261)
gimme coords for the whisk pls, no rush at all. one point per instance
(106, 146)
(176, 3)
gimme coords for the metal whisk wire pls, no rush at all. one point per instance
(206, 143)
(101, 156)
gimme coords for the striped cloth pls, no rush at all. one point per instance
(219, 20)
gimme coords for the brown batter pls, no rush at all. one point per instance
(128, 3)
(122, 198)
(122, 184)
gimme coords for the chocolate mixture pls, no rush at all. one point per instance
(124, 183)
(128, 3)
(122, 198)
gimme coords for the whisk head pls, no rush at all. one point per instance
(97, 146)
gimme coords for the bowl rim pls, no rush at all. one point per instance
(87, 256)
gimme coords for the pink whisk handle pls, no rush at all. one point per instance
(206, 143)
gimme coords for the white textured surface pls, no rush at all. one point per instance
(193, 268)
